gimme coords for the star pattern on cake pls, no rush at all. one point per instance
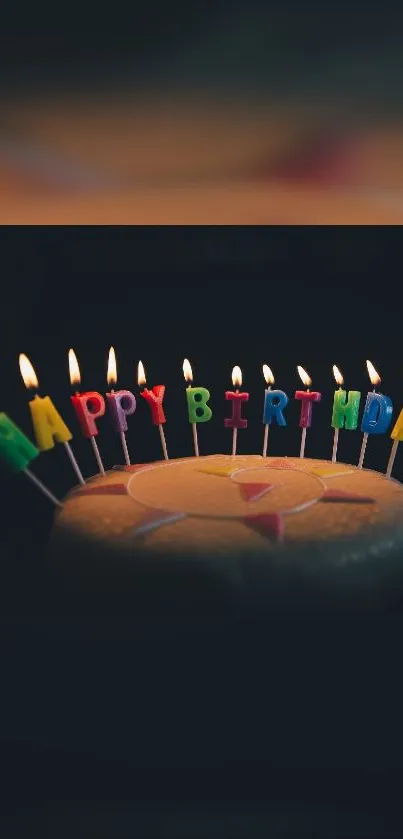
(270, 525)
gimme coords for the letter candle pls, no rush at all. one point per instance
(377, 412)
(88, 407)
(47, 422)
(17, 451)
(307, 398)
(236, 397)
(345, 413)
(120, 404)
(197, 398)
(274, 402)
(154, 397)
(397, 437)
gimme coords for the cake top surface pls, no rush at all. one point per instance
(233, 503)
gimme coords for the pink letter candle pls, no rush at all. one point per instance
(236, 397)
(307, 398)
(88, 406)
(154, 398)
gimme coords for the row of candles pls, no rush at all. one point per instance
(49, 427)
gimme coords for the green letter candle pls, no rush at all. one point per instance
(345, 412)
(198, 410)
(197, 398)
(15, 448)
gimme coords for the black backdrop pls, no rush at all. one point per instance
(279, 723)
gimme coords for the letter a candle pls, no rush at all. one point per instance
(120, 404)
(88, 407)
(377, 412)
(307, 397)
(197, 398)
(345, 413)
(154, 397)
(236, 397)
(47, 422)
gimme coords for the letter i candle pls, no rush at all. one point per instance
(377, 414)
(197, 398)
(236, 397)
(345, 413)
(88, 406)
(121, 404)
(47, 422)
(154, 397)
(307, 398)
(274, 402)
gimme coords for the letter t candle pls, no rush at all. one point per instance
(121, 404)
(154, 397)
(307, 397)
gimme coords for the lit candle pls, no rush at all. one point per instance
(154, 398)
(236, 397)
(307, 398)
(397, 437)
(88, 406)
(377, 414)
(274, 403)
(197, 398)
(121, 404)
(345, 412)
(49, 428)
(18, 452)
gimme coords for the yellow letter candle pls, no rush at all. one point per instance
(49, 427)
(397, 437)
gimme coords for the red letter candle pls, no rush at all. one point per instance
(307, 398)
(154, 398)
(236, 397)
(120, 404)
(49, 427)
(88, 406)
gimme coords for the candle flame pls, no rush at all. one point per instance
(141, 375)
(268, 375)
(112, 375)
(373, 375)
(187, 371)
(337, 375)
(27, 372)
(237, 376)
(304, 376)
(74, 370)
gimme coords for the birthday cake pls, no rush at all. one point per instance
(246, 522)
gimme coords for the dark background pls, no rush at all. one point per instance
(221, 722)
(342, 51)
